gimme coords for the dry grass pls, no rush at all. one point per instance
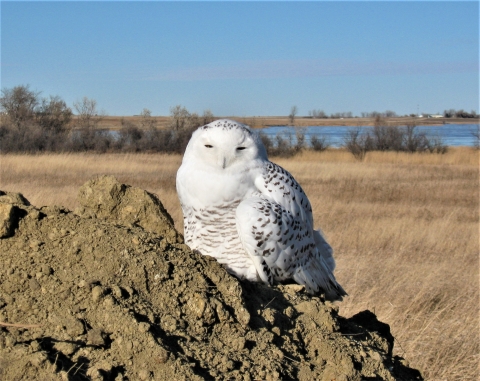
(55, 178)
(114, 122)
(404, 228)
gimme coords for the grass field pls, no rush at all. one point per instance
(404, 227)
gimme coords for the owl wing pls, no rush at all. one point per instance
(277, 184)
(283, 246)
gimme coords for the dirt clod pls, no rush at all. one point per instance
(105, 198)
(116, 295)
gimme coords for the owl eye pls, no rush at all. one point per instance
(208, 146)
(240, 148)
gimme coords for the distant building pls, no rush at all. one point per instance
(435, 116)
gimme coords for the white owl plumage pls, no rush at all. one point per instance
(249, 213)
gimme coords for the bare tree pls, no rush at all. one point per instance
(319, 114)
(372, 114)
(53, 115)
(87, 114)
(293, 114)
(390, 114)
(179, 117)
(89, 137)
(147, 122)
(146, 113)
(207, 117)
(182, 124)
(342, 115)
(19, 104)
(194, 121)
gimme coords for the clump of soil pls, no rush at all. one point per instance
(111, 293)
(105, 198)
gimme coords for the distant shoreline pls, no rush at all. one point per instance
(115, 122)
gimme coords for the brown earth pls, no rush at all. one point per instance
(110, 292)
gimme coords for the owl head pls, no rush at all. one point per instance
(225, 145)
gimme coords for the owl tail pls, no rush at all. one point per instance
(317, 274)
(324, 249)
(317, 278)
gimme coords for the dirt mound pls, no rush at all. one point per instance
(107, 199)
(111, 293)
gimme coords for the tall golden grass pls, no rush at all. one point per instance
(404, 227)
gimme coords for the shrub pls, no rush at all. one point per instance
(436, 145)
(300, 140)
(358, 143)
(90, 139)
(382, 137)
(129, 137)
(278, 145)
(319, 143)
(156, 140)
(285, 144)
(267, 142)
(476, 136)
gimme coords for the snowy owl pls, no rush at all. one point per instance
(249, 213)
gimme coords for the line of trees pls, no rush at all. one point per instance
(451, 113)
(31, 124)
(320, 114)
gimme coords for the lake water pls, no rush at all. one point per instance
(450, 134)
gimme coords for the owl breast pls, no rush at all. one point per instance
(208, 188)
(210, 216)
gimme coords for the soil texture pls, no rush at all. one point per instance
(111, 292)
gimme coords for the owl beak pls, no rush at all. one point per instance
(224, 164)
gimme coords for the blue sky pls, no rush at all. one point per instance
(246, 58)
